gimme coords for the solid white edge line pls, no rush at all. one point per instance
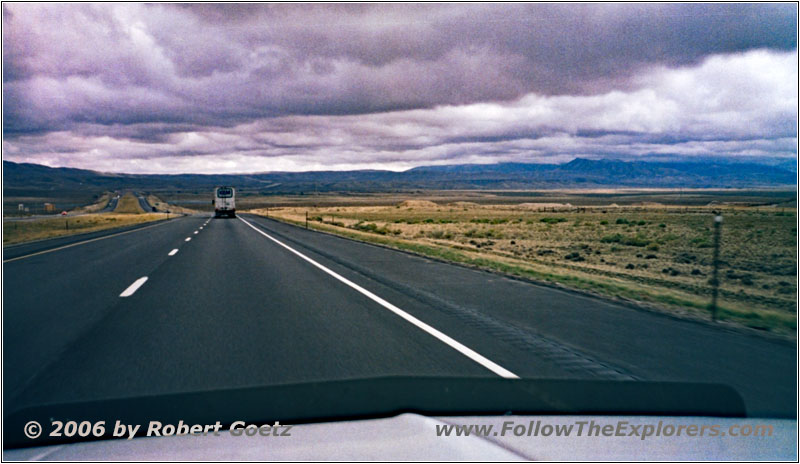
(446, 339)
(133, 287)
(172, 253)
(84, 242)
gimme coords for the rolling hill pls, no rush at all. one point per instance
(23, 179)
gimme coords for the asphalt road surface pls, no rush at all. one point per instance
(112, 204)
(196, 303)
(147, 207)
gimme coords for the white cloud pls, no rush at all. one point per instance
(141, 88)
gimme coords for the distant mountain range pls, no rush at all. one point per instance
(21, 179)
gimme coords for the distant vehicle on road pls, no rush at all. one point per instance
(224, 202)
(63, 213)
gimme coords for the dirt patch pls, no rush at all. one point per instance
(537, 206)
(417, 204)
(463, 204)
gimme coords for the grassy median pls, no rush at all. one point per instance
(659, 256)
(128, 204)
(164, 206)
(99, 205)
(39, 229)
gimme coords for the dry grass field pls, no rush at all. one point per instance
(128, 212)
(94, 207)
(164, 206)
(39, 229)
(650, 253)
(248, 199)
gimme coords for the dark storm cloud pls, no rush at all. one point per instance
(575, 48)
(298, 86)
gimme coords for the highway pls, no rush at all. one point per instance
(112, 204)
(196, 303)
(110, 207)
(146, 207)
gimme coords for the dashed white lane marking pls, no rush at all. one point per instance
(134, 286)
(188, 238)
(447, 340)
(195, 232)
(172, 253)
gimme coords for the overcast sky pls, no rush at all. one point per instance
(171, 88)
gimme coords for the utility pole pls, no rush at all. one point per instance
(715, 275)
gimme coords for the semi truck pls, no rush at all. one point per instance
(224, 202)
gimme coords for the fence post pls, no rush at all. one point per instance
(715, 275)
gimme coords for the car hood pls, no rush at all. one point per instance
(414, 437)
